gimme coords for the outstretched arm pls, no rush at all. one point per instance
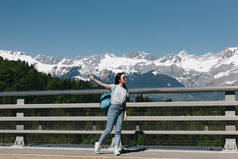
(99, 83)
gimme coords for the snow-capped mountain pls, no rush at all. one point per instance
(206, 70)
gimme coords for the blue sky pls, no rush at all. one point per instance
(73, 28)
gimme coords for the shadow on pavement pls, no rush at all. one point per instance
(133, 150)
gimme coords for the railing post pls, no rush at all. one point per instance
(230, 144)
(20, 141)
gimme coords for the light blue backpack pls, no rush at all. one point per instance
(105, 100)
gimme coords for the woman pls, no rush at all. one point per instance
(116, 112)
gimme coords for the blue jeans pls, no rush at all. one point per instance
(115, 116)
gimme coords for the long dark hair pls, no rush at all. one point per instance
(118, 77)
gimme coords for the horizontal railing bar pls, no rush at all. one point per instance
(57, 92)
(183, 104)
(203, 132)
(46, 106)
(163, 132)
(182, 118)
(58, 118)
(63, 131)
(183, 90)
(131, 91)
(129, 104)
(130, 118)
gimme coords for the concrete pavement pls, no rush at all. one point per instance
(88, 153)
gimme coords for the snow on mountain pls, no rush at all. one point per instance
(141, 55)
(230, 82)
(228, 56)
(48, 59)
(189, 62)
(16, 56)
(155, 72)
(121, 64)
(10, 55)
(208, 69)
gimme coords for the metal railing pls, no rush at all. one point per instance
(230, 114)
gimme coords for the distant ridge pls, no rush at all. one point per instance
(210, 69)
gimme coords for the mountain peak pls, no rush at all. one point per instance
(183, 53)
(19, 53)
(49, 59)
(209, 54)
(229, 52)
(16, 55)
(192, 70)
(233, 49)
(108, 55)
(141, 55)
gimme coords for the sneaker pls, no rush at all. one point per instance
(97, 147)
(116, 151)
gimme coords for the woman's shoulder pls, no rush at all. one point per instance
(112, 86)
